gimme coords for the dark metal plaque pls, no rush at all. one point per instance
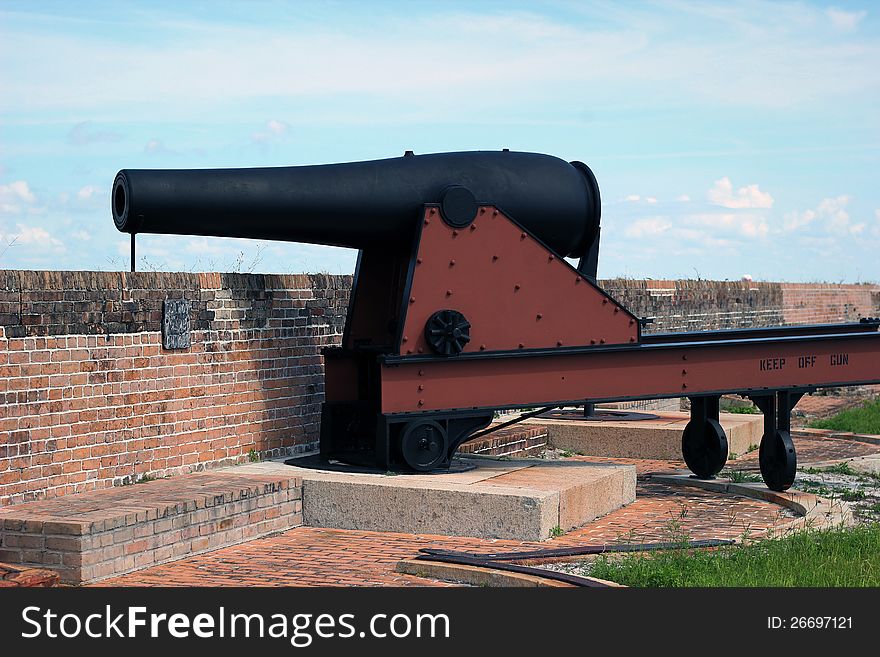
(176, 324)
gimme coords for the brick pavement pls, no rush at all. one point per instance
(308, 556)
(814, 449)
(12, 576)
(812, 406)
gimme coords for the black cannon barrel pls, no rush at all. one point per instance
(360, 204)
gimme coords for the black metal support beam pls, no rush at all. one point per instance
(705, 408)
(777, 456)
(777, 408)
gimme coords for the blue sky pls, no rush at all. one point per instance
(728, 138)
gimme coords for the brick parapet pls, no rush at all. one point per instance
(90, 399)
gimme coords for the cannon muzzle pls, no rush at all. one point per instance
(362, 204)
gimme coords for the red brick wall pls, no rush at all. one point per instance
(821, 303)
(90, 399)
(696, 305)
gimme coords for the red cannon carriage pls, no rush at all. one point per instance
(464, 303)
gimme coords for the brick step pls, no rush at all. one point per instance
(91, 536)
(513, 441)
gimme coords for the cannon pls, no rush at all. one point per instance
(464, 302)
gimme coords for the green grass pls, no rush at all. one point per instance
(747, 410)
(864, 419)
(815, 558)
(739, 477)
(842, 468)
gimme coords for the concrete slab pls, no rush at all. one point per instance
(512, 499)
(657, 438)
(869, 465)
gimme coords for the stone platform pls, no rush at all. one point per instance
(656, 438)
(523, 499)
(91, 536)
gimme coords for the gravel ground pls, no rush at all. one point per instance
(861, 492)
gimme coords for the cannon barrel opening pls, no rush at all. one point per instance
(361, 204)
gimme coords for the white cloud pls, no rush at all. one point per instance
(88, 192)
(683, 198)
(209, 246)
(157, 147)
(635, 198)
(845, 20)
(796, 220)
(14, 196)
(754, 228)
(833, 210)
(759, 60)
(831, 215)
(273, 130)
(743, 225)
(276, 127)
(749, 196)
(85, 132)
(648, 227)
(82, 235)
(36, 236)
